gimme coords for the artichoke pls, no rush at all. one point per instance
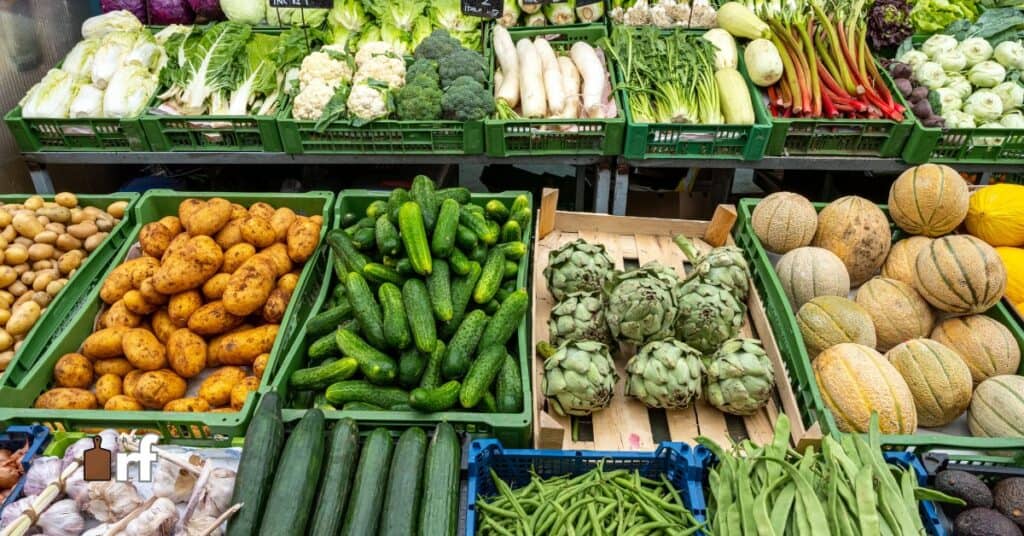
(639, 304)
(665, 374)
(708, 315)
(723, 266)
(577, 266)
(579, 378)
(579, 317)
(739, 377)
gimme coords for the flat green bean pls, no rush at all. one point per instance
(867, 508)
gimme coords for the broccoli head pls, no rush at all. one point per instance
(462, 63)
(426, 68)
(419, 100)
(467, 100)
(436, 46)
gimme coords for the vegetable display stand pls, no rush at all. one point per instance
(16, 437)
(510, 428)
(965, 146)
(794, 351)
(627, 424)
(65, 304)
(212, 133)
(81, 135)
(198, 429)
(673, 460)
(60, 441)
(546, 137)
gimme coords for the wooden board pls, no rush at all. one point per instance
(628, 424)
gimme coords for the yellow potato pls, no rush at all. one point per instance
(179, 242)
(186, 353)
(235, 256)
(5, 359)
(317, 219)
(117, 366)
(258, 231)
(154, 239)
(187, 208)
(47, 237)
(243, 347)
(276, 305)
(66, 199)
(69, 262)
(155, 388)
(104, 344)
(162, 325)
(278, 253)
(250, 286)
(38, 252)
(44, 278)
(66, 398)
(55, 287)
(117, 208)
(130, 380)
(83, 230)
(240, 392)
(94, 241)
(230, 235)
(26, 224)
(303, 237)
(238, 211)
(142, 269)
(172, 223)
(7, 276)
(280, 221)
(119, 316)
(227, 409)
(9, 234)
(143, 350)
(190, 267)
(188, 405)
(150, 294)
(107, 386)
(73, 370)
(216, 388)
(261, 210)
(23, 317)
(34, 202)
(120, 280)
(182, 305)
(260, 365)
(66, 242)
(136, 303)
(213, 289)
(54, 214)
(213, 319)
(15, 254)
(6, 340)
(287, 282)
(122, 403)
(209, 218)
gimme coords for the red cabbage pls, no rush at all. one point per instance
(137, 7)
(170, 12)
(206, 10)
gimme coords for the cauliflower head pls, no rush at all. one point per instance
(367, 103)
(321, 66)
(310, 103)
(368, 51)
(386, 69)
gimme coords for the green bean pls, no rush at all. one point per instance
(494, 511)
(650, 526)
(867, 508)
(782, 508)
(746, 503)
(496, 527)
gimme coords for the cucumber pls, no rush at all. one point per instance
(513, 250)
(404, 267)
(481, 375)
(458, 262)
(463, 345)
(343, 248)
(396, 328)
(338, 293)
(405, 484)
(502, 294)
(365, 308)
(313, 378)
(365, 222)
(478, 254)
(432, 373)
(327, 321)
(465, 238)
(291, 497)
(439, 287)
(505, 322)
(493, 230)
(363, 513)
(418, 310)
(443, 241)
(379, 273)
(462, 293)
(496, 211)
(396, 199)
(414, 236)
(490, 279)
(461, 195)
(377, 366)
(411, 365)
(320, 402)
(377, 208)
(361, 406)
(511, 232)
(491, 307)
(439, 507)
(510, 270)
(476, 223)
(302, 400)
(323, 347)
(256, 468)
(509, 387)
(386, 235)
(361, 391)
(522, 217)
(422, 192)
(364, 238)
(522, 201)
(487, 403)
(434, 399)
(349, 218)
(340, 462)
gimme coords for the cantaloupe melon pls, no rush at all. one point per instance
(997, 407)
(1013, 261)
(929, 200)
(902, 260)
(809, 272)
(897, 310)
(784, 221)
(986, 346)
(857, 231)
(939, 380)
(856, 381)
(996, 214)
(960, 274)
(827, 321)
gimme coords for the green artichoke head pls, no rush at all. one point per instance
(665, 374)
(740, 377)
(577, 266)
(579, 317)
(723, 266)
(640, 306)
(579, 378)
(709, 315)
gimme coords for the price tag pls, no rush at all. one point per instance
(312, 4)
(485, 9)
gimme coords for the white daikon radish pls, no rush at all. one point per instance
(593, 74)
(571, 86)
(498, 78)
(508, 88)
(531, 81)
(552, 76)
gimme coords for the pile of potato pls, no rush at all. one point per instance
(208, 291)
(41, 246)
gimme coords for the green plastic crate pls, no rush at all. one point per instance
(213, 429)
(965, 146)
(76, 135)
(511, 429)
(221, 133)
(60, 441)
(542, 137)
(794, 352)
(56, 315)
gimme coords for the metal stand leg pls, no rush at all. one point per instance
(581, 188)
(602, 190)
(621, 190)
(40, 178)
(721, 184)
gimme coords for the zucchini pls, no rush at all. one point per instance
(377, 366)
(376, 209)
(439, 287)
(256, 468)
(349, 218)
(430, 400)
(487, 403)
(422, 192)
(465, 238)
(363, 513)
(365, 308)
(476, 223)
(432, 373)
(291, 497)
(328, 320)
(511, 232)
(396, 327)
(397, 198)
(411, 365)
(509, 387)
(490, 278)
(509, 270)
(505, 322)
(463, 345)
(364, 238)
(414, 236)
(462, 293)
(361, 391)
(302, 400)
(513, 250)
(439, 507)
(443, 241)
(405, 484)
(343, 248)
(314, 378)
(342, 448)
(735, 110)
(496, 211)
(481, 375)
(323, 347)
(379, 273)
(386, 235)
(421, 319)
(461, 195)
(458, 262)
(361, 406)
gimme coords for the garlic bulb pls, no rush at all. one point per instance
(173, 482)
(110, 501)
(43, 472)
(76, 487)
(157, 520)
(108, 440)
(61, 519)
(14, 510)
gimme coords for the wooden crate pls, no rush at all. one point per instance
(627, 423)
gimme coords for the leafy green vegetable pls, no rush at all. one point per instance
(930, 16)
(209, 64)
(336, 107)
(258, 76)
(994, 25)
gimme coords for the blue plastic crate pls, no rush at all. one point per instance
(674, 460)
(14, 438)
